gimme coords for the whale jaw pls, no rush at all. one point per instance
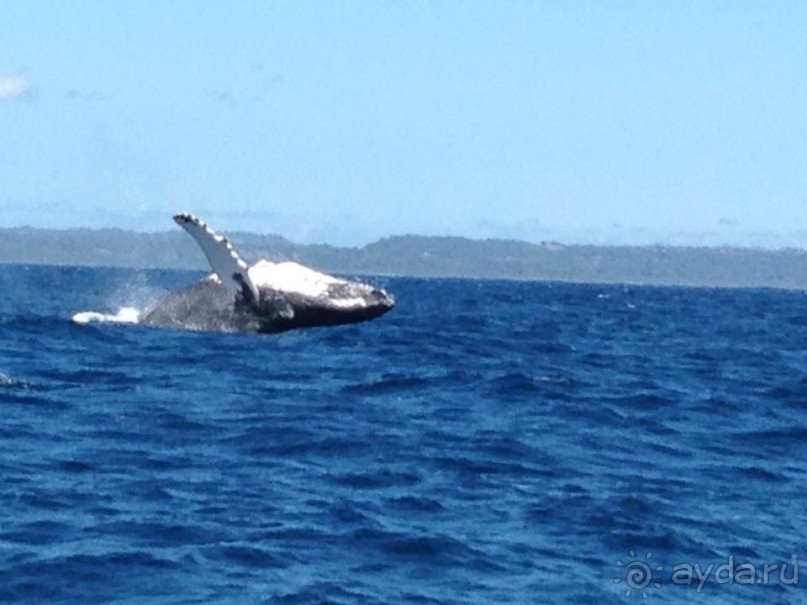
(281, 311)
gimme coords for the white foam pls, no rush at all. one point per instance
(126, 315)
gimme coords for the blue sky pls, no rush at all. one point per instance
(607, 122)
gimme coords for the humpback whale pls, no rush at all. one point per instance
(264, 297)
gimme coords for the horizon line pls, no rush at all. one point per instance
(542, 243)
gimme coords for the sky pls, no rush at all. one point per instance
(607, 122)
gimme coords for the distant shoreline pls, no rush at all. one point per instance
(427, 256)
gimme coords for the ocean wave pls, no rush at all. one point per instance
(483, 442)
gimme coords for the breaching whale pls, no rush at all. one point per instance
(264, 297)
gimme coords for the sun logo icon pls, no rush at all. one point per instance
(638, 575)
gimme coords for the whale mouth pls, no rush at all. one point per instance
(383, 298)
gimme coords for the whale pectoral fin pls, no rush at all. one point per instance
(222, 257)
(248, 289)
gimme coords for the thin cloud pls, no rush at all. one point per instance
(84, 96)
(13, 86)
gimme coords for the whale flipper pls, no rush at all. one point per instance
(222, 257)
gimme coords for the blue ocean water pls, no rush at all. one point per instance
(484, 442)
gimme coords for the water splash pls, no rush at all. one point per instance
(126, 315)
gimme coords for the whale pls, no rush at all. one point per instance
(265, 297)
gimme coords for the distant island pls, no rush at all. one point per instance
(421, 256)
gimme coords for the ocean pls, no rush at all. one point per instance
(484, 442)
